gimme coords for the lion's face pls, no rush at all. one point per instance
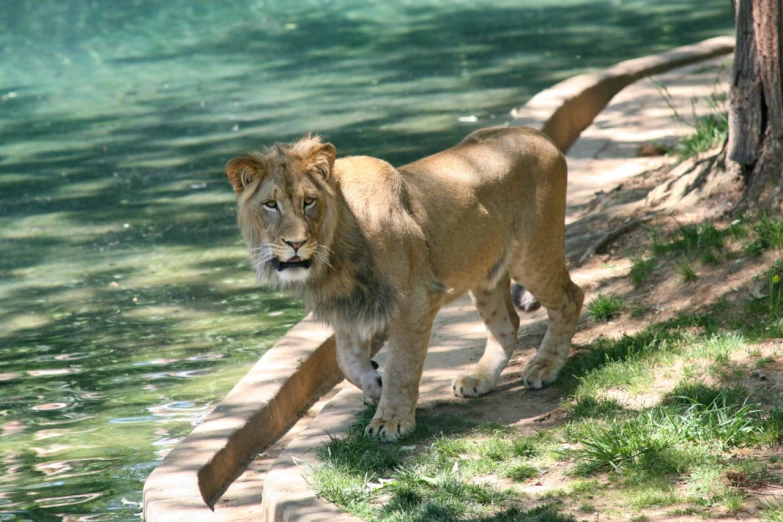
(286, 209)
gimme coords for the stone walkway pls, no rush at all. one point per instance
(605, 155)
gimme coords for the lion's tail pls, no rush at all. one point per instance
(524, 300)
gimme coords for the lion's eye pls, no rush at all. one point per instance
(309, 201)
(271, 203)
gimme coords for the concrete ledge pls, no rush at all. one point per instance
(258, 410)
(562, 112)
(287, 497)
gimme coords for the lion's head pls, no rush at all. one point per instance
(287, 209)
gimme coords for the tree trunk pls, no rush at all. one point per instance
(756, 103)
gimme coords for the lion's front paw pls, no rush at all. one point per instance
(389, 430)
(540, 371)
(472, 386)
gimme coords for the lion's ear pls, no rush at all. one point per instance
(321, 159)
(242, 171)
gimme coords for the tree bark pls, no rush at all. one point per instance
(756, 103)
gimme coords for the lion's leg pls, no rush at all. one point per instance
(496, 309)
(354, 352)
(563, 302)
(406, 349)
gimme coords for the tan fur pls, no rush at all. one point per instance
(389, 247)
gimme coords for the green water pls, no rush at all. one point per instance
(127, 307)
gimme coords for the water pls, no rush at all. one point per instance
(127, 307)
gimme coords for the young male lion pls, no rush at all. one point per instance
(377, 251)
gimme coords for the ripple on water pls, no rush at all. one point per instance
(72, 418)
(154, 376)
(190, 373)
(74, 356)
(64, 469)
(68, 500)
(49, 373)
(156, 362)
(134, 420)
(50, 406)
(180, 409)
(168, 442)
(181, 405)
(92, 396)
(206, 357)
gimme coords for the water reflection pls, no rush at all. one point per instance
(127, 308)
(50, 406)
(67, 500)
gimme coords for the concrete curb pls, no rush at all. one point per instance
(562, 112)
(287, 497)
(258, 410)
(302, 364)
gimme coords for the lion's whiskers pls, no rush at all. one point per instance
(322, 257)
(260, 254)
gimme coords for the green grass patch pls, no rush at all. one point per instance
(382, 482)
(671, 437)
(703, 237)
(605, 307)
(641, 269)
(522, 472)
(652, 498)
(686, 271)
(774, 280)
(586, 488)
(767, 234)
(688, 242)
(587, 406)
(602, 364)
(772, 511)
(708, 131)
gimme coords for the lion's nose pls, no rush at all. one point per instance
(295, 244)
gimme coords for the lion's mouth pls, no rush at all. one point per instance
(294, 262)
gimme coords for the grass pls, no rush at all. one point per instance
(382, 482)
(772, 512)
(686, 243)
(666, 439)
(774, 288)
(605, 307)
(768, 234)
(523, 472)
(708, 244)
(686, 271)
(688, 238)
(641, 268)
(708, 131)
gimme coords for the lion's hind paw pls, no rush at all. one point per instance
(469, 386)
(540, 372)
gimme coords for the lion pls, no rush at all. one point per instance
(376, 251)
